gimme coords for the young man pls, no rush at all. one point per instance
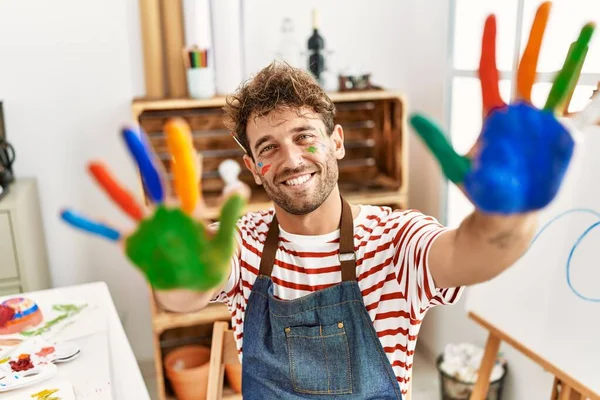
(312, 320)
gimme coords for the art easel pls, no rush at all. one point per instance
(565, 386)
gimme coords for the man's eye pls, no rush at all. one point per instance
(303, 137)
(266, 148)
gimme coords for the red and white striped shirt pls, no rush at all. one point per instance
(391, 268)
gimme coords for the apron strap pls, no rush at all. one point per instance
(270, 249)
(347, 255)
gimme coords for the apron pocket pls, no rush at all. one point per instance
(319, 359)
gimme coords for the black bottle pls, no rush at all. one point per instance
(316, 45)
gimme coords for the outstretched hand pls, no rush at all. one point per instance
(520, 158)
(171, 248)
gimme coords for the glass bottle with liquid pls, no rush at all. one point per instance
(316, 47)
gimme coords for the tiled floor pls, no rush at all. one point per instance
(426, 381)
(426, 384)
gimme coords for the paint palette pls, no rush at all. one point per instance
(61, 390)
(10, 380)
(27, 363)
(33, 361)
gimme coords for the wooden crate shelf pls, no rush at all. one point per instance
(374, 135)
(164, 320)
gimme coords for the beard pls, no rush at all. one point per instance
(324, 181)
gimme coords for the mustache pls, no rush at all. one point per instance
(289, 172)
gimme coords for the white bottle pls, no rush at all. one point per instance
(289, 49)
(229, 170)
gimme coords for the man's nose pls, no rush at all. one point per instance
(293, 156)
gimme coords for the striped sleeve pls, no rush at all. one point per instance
(413, 242)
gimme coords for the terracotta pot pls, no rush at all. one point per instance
(187, 370)
(233, 372)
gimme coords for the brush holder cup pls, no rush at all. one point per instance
(201, 83)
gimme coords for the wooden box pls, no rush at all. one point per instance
(373, 170)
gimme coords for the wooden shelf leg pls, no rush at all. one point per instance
(158, 365)
(485, 370)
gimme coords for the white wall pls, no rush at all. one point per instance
(68, 73)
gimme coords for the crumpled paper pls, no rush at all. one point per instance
(462, 361)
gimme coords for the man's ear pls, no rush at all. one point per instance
(338, 141)
(249, 162)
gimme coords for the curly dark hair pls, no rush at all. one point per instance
(278, 86)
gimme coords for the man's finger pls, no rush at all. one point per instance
(230, 213)
(85, 224)
(488, 73)
(115, 191)
(455, 167)
(184, 163)
(562, 83)
(141, 153)
(529, 61)
(563, 107)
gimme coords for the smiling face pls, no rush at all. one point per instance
(294, 158)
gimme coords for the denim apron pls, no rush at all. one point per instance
(320, 346)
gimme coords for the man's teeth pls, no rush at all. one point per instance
(298, 181)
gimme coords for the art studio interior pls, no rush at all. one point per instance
(261, 199)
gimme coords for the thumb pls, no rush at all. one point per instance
(230, 213)
(455, 167)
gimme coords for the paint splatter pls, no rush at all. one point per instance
(45, 351)
(312, 149)
(265, 169)
(6, 314)
(23, 363)
(45, 395)
(68, 310)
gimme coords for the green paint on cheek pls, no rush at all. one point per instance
(312, 149)
(175, 251)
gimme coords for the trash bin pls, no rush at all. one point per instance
(452, 388)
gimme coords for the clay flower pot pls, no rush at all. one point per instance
(187, 370)
(234, 376)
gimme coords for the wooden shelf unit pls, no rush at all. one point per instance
(376, 173)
